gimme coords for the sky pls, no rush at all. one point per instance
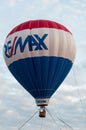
(69, 102)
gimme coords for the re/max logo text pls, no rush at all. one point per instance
(34, 42)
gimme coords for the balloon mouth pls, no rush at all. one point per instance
(42, 102)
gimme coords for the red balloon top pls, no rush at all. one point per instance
(38, 24)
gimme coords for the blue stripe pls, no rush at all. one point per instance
(41, 76)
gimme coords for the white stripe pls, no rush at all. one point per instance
(58, 42)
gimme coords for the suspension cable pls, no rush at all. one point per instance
(61, 120)
(52, 117)
(27, 121)
(78, 91)
(41, 124)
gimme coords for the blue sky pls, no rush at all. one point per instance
(69, 102)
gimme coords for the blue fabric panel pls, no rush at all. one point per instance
(41, 76)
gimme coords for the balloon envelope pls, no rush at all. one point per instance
(40, 53)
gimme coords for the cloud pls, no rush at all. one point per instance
(12, 2)
(69, 101)
(18, 105)
(68, 105)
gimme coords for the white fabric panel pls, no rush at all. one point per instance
(58, 42)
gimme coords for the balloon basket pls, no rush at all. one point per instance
(42, 112)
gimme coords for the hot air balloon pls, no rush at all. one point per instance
(40, 54)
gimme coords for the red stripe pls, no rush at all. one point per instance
(38, 24)
(11, 52)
